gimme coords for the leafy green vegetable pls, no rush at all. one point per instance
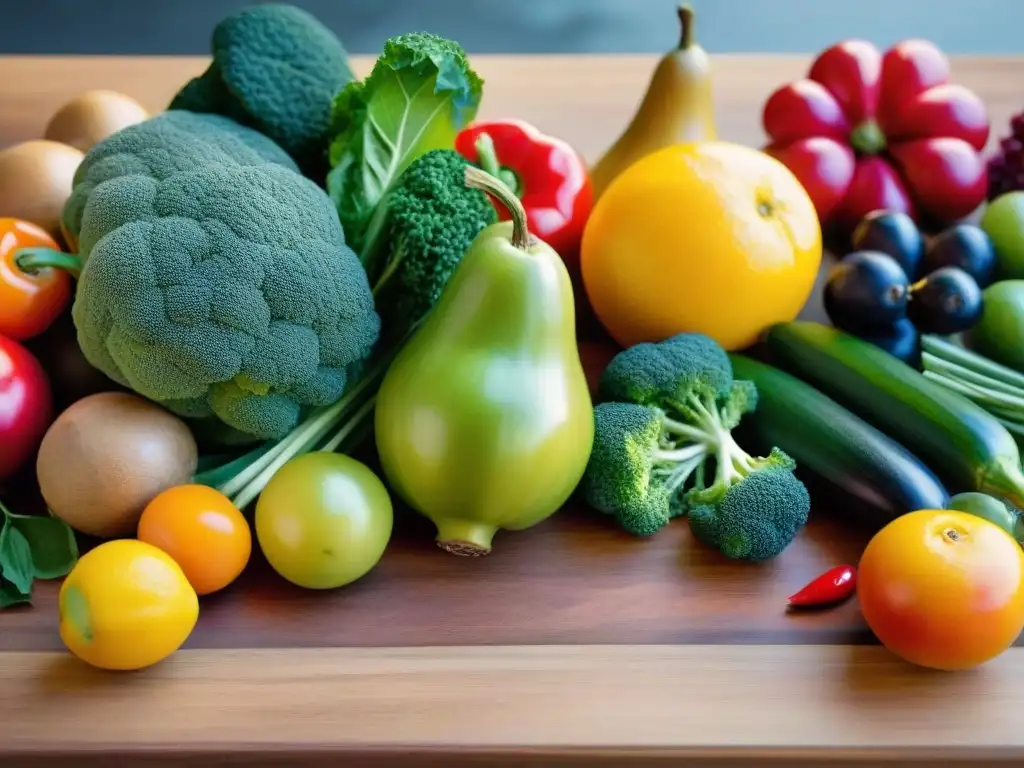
(16, 558)
(419, 95)
(32, 547)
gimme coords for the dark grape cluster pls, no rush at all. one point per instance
(1006, 167)
(896, 285)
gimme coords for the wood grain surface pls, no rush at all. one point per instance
(572, 642)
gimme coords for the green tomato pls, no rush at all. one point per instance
(1003, 222)
(324, 520)
(983, 505)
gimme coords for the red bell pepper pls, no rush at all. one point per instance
(548, 176)
(865, 132)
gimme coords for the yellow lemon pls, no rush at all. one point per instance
(126, 605)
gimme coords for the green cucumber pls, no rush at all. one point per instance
(824, 438)
(963, 444)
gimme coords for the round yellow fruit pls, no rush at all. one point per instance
(707, 237)
(126, 605)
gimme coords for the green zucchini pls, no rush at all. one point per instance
(963, 444)
(823, 437)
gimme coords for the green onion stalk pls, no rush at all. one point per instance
(992, 386)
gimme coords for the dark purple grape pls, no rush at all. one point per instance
(1006, 166)
(892, 233)
(965, 246)
(866, 289)
(902, 340)
(1017, 126)
(946, 301)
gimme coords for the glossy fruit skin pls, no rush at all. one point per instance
(902, 340)
(892, 233)
(917, 139)
(947, 301)
(484, 421)
(26, 406)
(126, 605)
(202, 530)
(866, 289)
(965, 246)
(707, 237)
(1003, 222)
(943, 589)
(29, 302)
(324, 520)
(987, 507)
(998, 332)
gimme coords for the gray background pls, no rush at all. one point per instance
(525, 26)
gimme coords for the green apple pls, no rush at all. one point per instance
(1003, 222)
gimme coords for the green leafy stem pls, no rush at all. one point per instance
(32, 547)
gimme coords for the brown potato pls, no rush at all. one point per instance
(93, 116)
(35, 181)
(106, 457)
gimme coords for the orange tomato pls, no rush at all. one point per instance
(202, 531)
(943, 589)
(30, 301)
(707, 237)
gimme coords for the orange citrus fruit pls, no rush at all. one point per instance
(126, 605)
(942, 588)
(706, 237)
(202, 530)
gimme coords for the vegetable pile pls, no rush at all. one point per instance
(217, 320)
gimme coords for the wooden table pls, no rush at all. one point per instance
(573, 643)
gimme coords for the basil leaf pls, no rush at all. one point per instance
(11, 595)
(16, 558)
(52, 543)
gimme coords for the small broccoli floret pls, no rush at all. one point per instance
(635, 473)
(648, 373)
(757, 517)
(418, 236)
(665, 425)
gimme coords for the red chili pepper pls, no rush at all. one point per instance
(833, 586)
(546, 173)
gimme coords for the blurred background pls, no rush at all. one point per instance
(160, 27)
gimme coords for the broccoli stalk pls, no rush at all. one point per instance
(666, 420)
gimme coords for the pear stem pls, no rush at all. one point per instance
(686, 26)
(478, 179)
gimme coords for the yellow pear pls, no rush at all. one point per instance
(677, 108)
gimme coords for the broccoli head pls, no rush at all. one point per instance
(161, 146)
(664, 428)
(419, 234)
(277, 69)
(226, 290)
(635, 472)
(649, 373)
(756, 517)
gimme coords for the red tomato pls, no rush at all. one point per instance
(29, 301)
(943, 589)
(26, 406)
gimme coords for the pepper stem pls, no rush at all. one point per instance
(31, 260)
(685, 26)
(464, 537)
(487, 156)
(478, 179)
(867, 138)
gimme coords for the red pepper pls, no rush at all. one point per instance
(833, 586)
(866, 131)
(548, 176)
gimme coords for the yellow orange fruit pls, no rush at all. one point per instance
(707, 237)
(126, 605)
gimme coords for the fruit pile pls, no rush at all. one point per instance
(208, 312)
(896, 285)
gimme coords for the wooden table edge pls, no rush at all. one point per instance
(574, 704)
